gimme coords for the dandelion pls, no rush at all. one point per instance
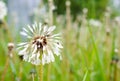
(3, 10)
(42, 45)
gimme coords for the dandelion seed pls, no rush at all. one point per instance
(40, 38)
(3, 10)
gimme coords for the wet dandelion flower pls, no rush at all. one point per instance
(3, 10)
(40, 39)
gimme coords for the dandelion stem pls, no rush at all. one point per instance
(115, 72)
(50, 23)
(10, 38)
(48, 73)
(20, 71)
(50, 12)
(41, 72)
(10, 47)
(68, 16)
(32, 76)
(5, 69)
(97, 54)
(41, 67)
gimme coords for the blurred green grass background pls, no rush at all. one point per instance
(90, 53)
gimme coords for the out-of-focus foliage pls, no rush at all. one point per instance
(95, 7)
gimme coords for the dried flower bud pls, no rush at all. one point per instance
(50, 0)
(115, 60)
(10, 46)
(116, 50)
(46, 21)
(68, 3)
(108, 9)
(33, 71)
(85, 10)
(108, 31)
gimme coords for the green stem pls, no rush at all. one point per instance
(33, 77)
(97, 54)
(115, 72)
(41, 67)
(41, 72)
(48, 73)
(5, 69)
(10, 38)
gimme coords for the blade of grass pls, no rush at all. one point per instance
(85, 76)
(97, 54)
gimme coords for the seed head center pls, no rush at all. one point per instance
(40, 41)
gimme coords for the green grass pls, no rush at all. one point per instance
(87, 55)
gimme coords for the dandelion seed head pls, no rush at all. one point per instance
(40, 38)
